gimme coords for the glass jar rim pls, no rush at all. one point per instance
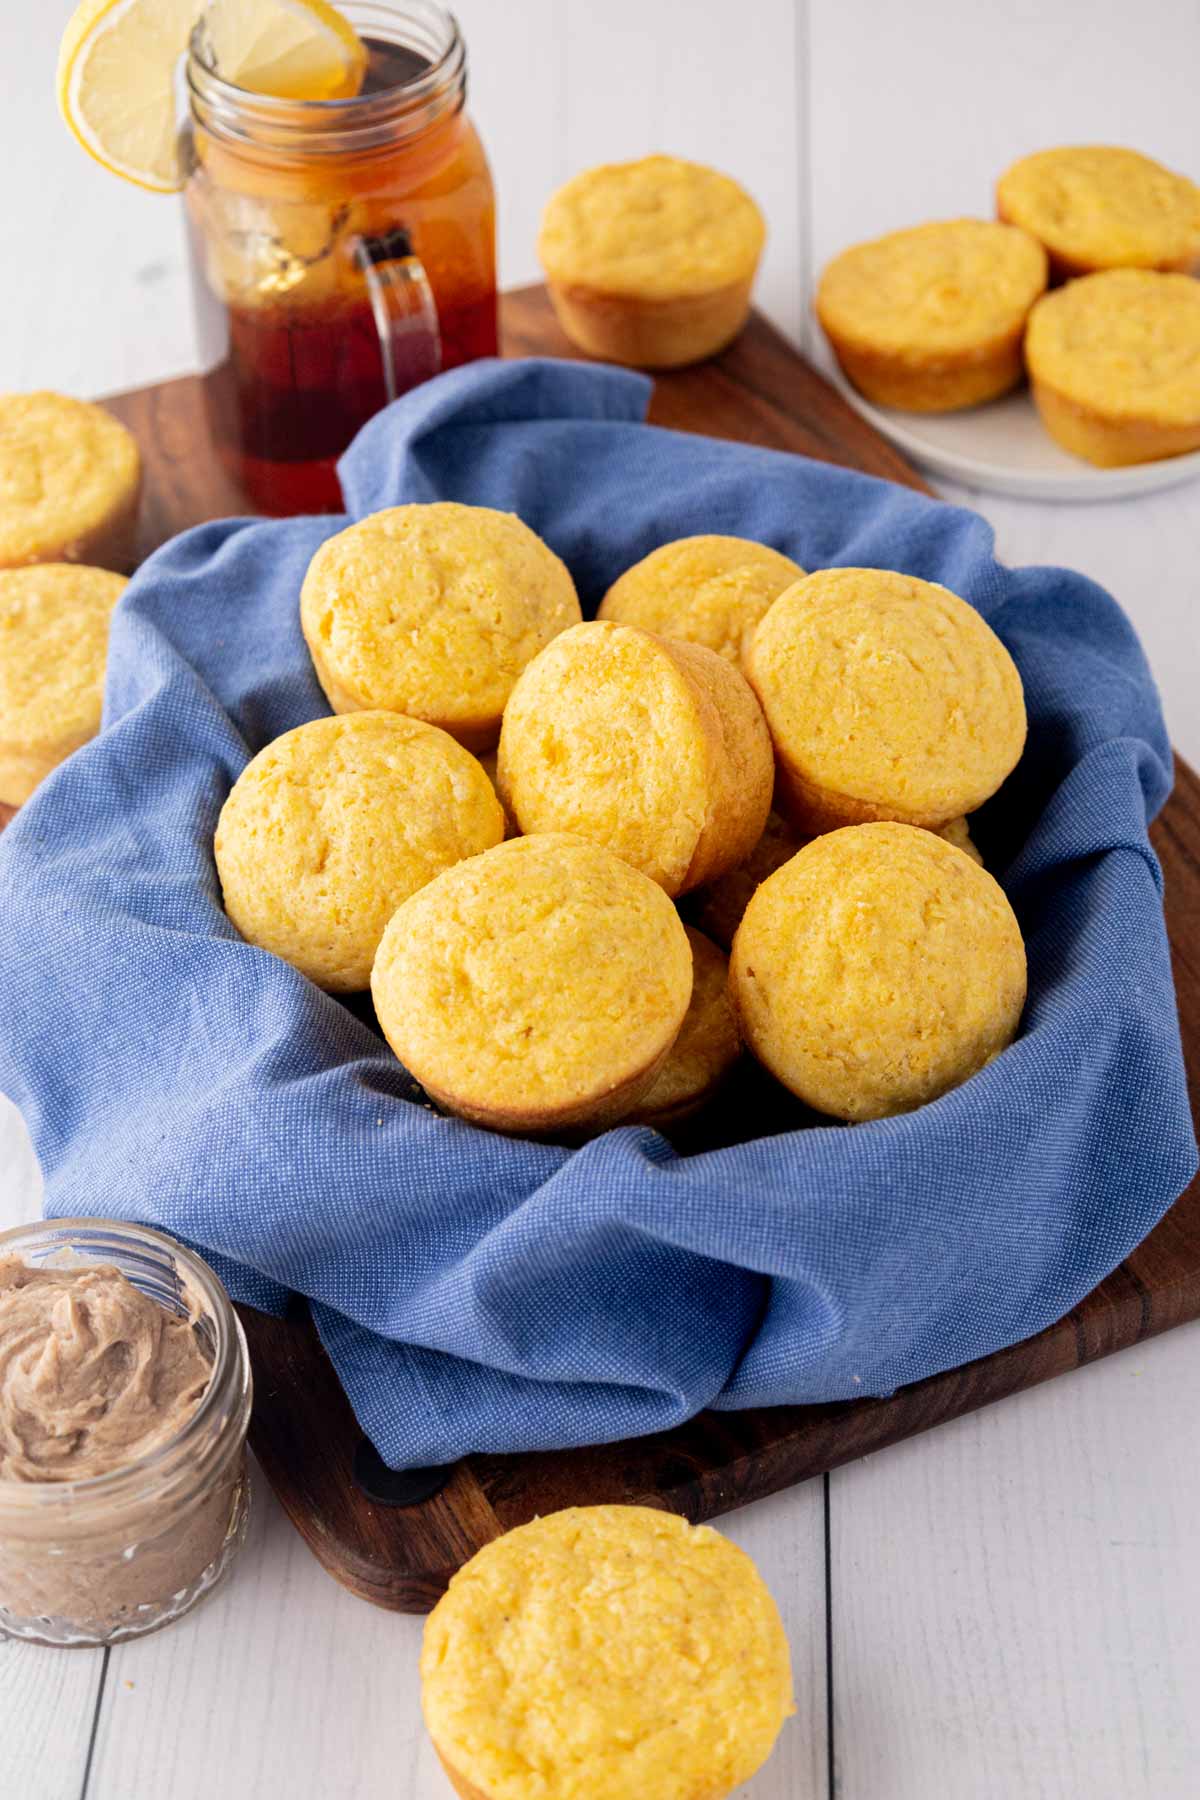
(229, 1384)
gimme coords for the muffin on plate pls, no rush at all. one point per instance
(931, 319)
(1114, 362)
(706, 1049)
(70, 481)
(1096, 206)
(651, 263)
(535, 988)
(433, 611)
(887, 697)
(620, 1652)
(332, 825)
(650, 746)
(54, 622)
(876, 970)
(708, 590)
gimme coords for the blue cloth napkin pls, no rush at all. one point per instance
(481, 1293)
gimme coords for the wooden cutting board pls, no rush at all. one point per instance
(303, 1431)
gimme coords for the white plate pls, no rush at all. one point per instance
(1005, 447)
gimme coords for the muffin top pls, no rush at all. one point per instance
(616, 1650)
(659, 229)
(877, 969)
(710, 590)
(708, 1044)
(947, 286)
(54, 620)
(433, 611)
(1100, 207)
(65, 467)
(1125, 342)
(332, 825)
(889, 690)
(532, 980)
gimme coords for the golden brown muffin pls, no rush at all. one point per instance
(536, 987)
(877, 969)
(707, 1047)
(651, 262)
(931, 319)
(330, 827)
(605, 1653)
(887, 697)
(433, 611)
(1099, 207)
(1114, 360)
(653, 747)
(958, 833)
(718, 907)
(70, 480)
(487, 762)
(53, 648)
(707, 590)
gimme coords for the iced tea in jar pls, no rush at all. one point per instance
(343, 250)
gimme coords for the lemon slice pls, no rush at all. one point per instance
(116, 70)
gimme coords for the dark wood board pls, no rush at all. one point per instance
(303, 1430)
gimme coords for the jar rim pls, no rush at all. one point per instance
(229, 1381)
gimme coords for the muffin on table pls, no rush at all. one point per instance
(1114, 363)
(433, 611)
(706, 1049)
(1096, 206)
(931, 319)
(651, 263)
(708, 590)
(617, 1651)
(535, 988)
(332, 825)
(70, 482)
(876, 970)
(887, 697)
(651, 746)
(54, 621)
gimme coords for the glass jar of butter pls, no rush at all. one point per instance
(112, 1556)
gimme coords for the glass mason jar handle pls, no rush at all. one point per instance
(406, 316)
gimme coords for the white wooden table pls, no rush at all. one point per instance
(1007, 1608)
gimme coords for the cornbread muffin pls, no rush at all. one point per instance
(707, 1047)
(654, 748)
(931, 319)
(708, 590)
(887, 698)
(536, 987)
(1099, 207)
(651, 262)
(718, 907)
(487, 762)
(958, 833)
(330, 827)
(605, 1653)
(1114, 361)
(70, 480)
(877, 969)
(433, 611)
(53, 648)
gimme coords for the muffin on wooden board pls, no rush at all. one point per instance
(54, 621)
(433, 611)
(620, 1652)
(707, 1047)
(1096, 206)
(651, 262)
(707, 590)
(931, 319)
(332, 825)
(650, 746)
(887, 697)
(537, 987)
(70, 482)
(1114, 363)
(876, 970)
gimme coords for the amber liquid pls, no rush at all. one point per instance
(289, 335)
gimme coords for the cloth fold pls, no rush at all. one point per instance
(481, 1293)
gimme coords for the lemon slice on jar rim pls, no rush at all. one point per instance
(116, 70)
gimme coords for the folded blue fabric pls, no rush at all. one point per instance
(481, 1293)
